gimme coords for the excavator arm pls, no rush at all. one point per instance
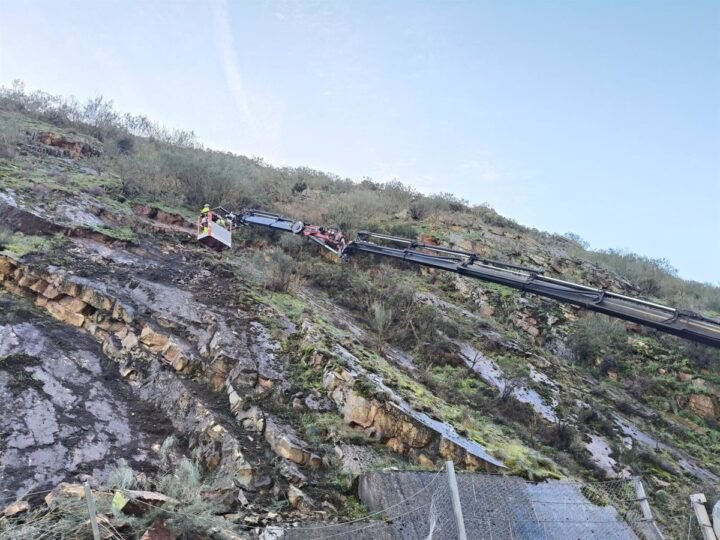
(685, 324)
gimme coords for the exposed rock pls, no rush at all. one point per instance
(16, 508)
(287, 445)
(67, 310)
(223, 500)
(139, 503)
(64, 491)
(66, 145)
(702, 405)
(299, 499)
(153, 339)
(252, 419)
(158, 531)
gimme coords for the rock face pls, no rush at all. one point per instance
(65, 145)
(66, 409)
(144, 325)
(394, 422)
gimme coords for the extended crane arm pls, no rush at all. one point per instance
(686, 324)
(689, 325)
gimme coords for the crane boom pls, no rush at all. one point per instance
(685, 324)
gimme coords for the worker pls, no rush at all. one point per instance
(204, 218)
(220, 221)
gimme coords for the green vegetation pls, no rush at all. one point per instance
(601, 367)
(654, 278)
(125, 234)
(20, 244)
(591, 334)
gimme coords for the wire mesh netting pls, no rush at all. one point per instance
(502, 507)
(419, 505)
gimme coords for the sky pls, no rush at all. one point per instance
(600, 118)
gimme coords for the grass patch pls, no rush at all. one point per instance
(20, 244)
(290, 305)
(124, 234)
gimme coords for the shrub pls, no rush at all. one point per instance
(608, 364)
(404, 230)
(125, 144)
(278, 271)
(121, 477)
(299, 187)
(7, 148)
(593, 333)
(648, 274)
(419, 210)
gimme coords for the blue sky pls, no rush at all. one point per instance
(601, 118)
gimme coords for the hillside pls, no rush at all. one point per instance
(253, 382)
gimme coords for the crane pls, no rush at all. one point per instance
(683, 323)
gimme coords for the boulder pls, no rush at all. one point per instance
(359, 410)
(252, 419)
(16, 508)
(95, 299)
(223, 500)
(172, 352)
(299, 499)
(64, 312)
(286, 444)
(138, 503)
(64, 491)
(158, 531)
(702, 405)
(6, 266)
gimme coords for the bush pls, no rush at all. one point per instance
(121, 477)
(591, 334)
(125, 145)
(419, 210)
(278, 271)
(646, 273)
(607, 365)
(299, 187)
(7, 148)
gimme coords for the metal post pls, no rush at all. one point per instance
(91, 511)
(697, 501)
(452, 482)
(645, 505)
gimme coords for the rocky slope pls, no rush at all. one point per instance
(125, 344)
